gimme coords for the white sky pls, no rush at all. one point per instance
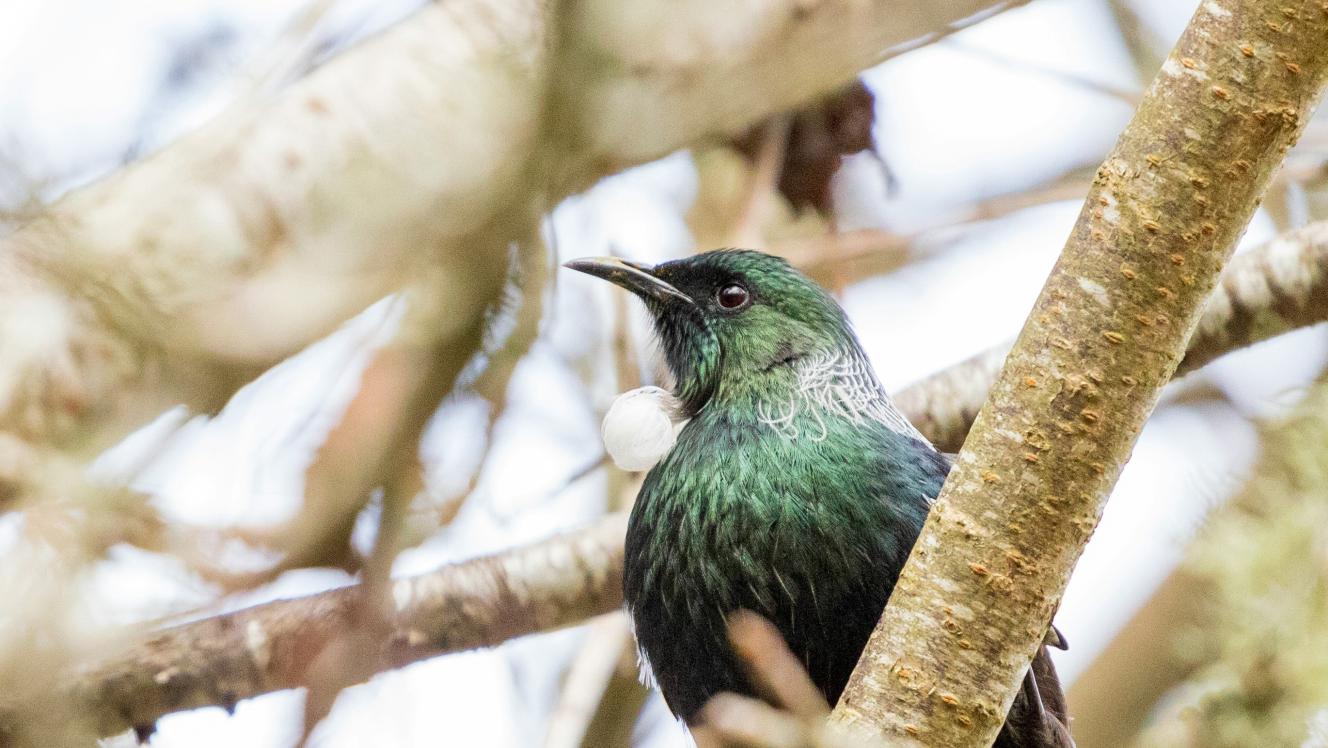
(80, 87)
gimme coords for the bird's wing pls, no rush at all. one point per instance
(1055, 638)
(1039, 717)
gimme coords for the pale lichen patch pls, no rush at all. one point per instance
(403, 592)
(1110, 208)
(1096, 290)
(260, 648)
(1174, 68)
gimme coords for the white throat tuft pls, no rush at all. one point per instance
(641, 427)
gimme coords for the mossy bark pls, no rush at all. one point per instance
(1262, 648)
(1107, 332)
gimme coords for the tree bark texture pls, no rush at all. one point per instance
(1275, 288)
(1106, 333)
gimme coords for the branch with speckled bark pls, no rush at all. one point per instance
(1275, 288)
(220, 660)
(1109, 329)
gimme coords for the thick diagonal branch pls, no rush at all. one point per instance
(1107, 332)
(1275, 288)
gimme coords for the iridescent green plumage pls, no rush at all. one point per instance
(796, 490)
(733, 519)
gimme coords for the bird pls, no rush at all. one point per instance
(794, 488)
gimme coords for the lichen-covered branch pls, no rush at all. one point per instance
(1107, 332)
(1275, 288)
(220, 660)
(1280, 287)
(1258, 567)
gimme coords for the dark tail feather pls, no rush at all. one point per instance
(1038, 717)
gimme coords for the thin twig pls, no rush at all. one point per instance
(1124, 95)
(950, 30)
(749, 227)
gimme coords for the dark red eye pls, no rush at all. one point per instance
(732, 296)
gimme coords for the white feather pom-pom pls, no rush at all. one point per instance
(641, 426)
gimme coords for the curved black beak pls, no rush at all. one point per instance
(636, 277)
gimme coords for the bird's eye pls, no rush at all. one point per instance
(732, 296)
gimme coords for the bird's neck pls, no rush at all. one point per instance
(796, 397)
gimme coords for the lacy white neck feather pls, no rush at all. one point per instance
(837, 384)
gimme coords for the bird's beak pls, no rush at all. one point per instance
(636, 277)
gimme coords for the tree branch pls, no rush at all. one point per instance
(218, 661)
(792, 711)
(1273, 289)
(1282, 287)
(974, 600)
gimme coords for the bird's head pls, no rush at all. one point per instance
(727, 319)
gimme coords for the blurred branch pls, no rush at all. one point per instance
(392, 463)
(756, 203)
(217, 661)
(602, 694)
(952, 28)
(1126, 96)
(334, 186)
(793, 711)
(1260, 587)
(1104, 336)
(375, 441)
(854, 255)
(1279, 287)
(732, 721)
(1270, 290)
(1144, 47)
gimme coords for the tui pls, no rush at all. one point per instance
(795, 489)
